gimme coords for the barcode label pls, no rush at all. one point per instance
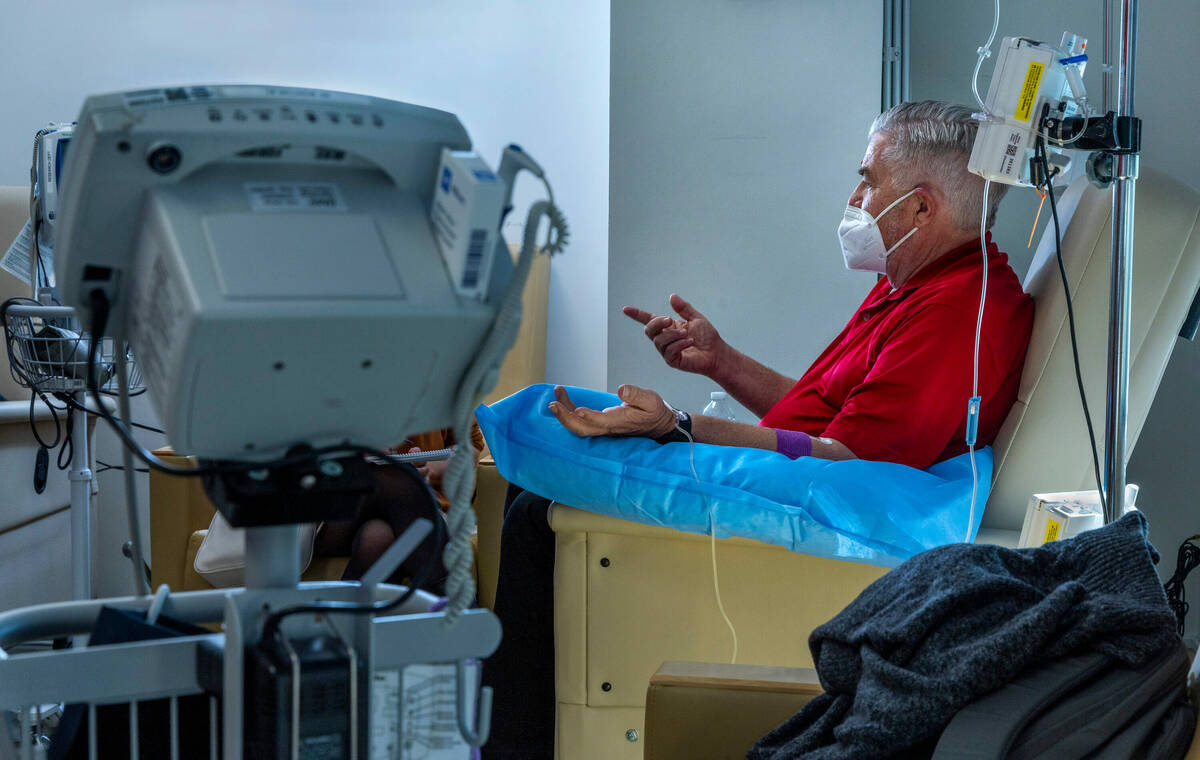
(470, 276)
(1011, 150)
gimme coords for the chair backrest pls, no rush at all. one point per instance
(1043, 445)
(14, 212)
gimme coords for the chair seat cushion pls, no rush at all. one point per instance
(875, 512)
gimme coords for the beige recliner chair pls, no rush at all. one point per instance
(629, 596)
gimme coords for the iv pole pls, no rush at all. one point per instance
(1125, 176)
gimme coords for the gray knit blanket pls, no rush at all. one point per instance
(960, 621)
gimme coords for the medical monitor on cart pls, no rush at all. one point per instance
(268, 254)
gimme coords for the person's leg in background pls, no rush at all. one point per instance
(399, 498)
(521, 671)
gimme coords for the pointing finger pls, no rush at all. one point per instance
(641, 315)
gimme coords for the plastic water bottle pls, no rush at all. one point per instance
(718, 406)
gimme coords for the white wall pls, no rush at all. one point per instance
(530, 71)
(737, 128)
(944, 38)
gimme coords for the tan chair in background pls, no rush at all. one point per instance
(651, 600)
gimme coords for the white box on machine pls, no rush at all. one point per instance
(468, 199)
(1056, 516)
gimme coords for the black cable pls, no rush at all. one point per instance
(1186, 561)
(271, 626)
(68, 445)
(1040, 149)
(103, 466)
(43, 275)
(33, 397)
(72, 403)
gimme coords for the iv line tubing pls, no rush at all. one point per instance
(983, 214)
(712, 532)
(984, 52)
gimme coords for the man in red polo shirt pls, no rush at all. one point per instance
(894, 385)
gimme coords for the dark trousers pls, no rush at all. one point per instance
(521, 672)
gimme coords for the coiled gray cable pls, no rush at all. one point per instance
(460, 471)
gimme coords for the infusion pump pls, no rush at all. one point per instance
(1031, 80)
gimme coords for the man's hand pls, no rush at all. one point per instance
(691, 343)
(643, 413)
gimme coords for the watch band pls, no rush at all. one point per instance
(682, 432)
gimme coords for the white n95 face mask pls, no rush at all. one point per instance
(862, 242)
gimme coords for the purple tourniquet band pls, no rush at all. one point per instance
(793, 444)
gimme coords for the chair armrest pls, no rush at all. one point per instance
(699, 709)
(490, 489)
(564, 519)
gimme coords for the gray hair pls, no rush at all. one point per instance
(930, 143)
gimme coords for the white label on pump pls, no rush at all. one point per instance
(294, 196)
(429, 713)
(16, 260)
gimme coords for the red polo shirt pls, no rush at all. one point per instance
(893, 386)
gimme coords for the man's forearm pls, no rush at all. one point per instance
(729, 433)
(754, 385)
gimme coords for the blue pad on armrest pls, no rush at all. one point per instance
(875, 512)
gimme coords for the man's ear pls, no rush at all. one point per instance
(928, 208)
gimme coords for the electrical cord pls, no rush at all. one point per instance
(103, 466)
(1187, 560)
(73, 404)
(1040, 151)
(273, 621)
(68, 444)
